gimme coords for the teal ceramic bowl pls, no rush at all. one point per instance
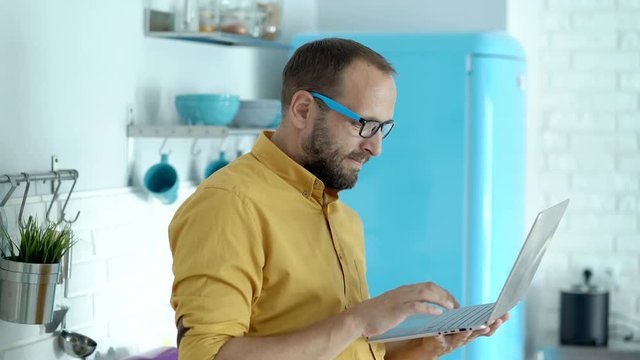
(207, 109)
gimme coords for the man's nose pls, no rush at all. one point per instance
(373, 145)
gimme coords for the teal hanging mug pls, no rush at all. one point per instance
(216, 165)
(161, 180)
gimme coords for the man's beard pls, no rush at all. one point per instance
(325, 159)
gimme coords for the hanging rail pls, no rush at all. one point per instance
(68, 174)
(28, 178)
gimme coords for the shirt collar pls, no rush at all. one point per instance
(293, 173)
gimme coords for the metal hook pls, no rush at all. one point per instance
(224, 144)
(193, 148)
(164, 142)
(14, 185)
(24, 198)
(3, 218)
(75, 180)
(55, 198)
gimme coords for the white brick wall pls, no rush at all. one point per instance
(121, 277)
(589, 140)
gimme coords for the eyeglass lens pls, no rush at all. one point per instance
(371, 127)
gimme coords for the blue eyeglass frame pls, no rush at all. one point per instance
(341, 109)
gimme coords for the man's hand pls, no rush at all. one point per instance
(327, 338)
(444, 344)
(379, 314)
(435, 346)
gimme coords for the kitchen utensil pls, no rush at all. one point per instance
(72, 343)
(76, 345)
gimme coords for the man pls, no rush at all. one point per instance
(268, 262)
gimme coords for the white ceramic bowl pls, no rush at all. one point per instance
(263, 113)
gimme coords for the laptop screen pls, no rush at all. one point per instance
(521, 275)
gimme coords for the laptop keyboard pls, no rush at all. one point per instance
(464, 317)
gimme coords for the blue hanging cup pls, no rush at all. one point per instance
(161, 180)
(216, 165)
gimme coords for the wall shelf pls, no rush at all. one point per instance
(160, 24)
(187, 131)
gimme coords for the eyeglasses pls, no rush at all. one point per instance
(368, 128)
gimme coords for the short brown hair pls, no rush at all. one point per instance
(318, 65)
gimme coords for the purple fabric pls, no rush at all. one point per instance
(166, 353)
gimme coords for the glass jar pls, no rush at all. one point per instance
(236, 16)
(186, 16)
(209, 15)
(257, 18)
(267, 19)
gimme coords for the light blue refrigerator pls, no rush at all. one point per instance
(444, 201)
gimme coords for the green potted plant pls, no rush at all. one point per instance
(29, 271)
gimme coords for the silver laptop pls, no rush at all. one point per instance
(480, 316)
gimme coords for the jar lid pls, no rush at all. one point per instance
(587, 287)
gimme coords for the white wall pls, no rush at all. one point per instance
(411, 15)
(120, 279)
(70, 69)
(523, 23)
(586, 138)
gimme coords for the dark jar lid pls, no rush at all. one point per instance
(586, 287)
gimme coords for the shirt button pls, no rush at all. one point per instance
(305, 193)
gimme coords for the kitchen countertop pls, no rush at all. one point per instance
(615, 351)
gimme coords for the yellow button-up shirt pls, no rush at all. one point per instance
(262, 248)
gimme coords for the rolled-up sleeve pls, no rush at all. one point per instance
(217, 265)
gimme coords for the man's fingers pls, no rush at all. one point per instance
(490, 330)
(432, 293)
(463, 336)
(459, 339)
(494, 327)
(480, 332)
(424, 308)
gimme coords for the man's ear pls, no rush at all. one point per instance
(301, 109)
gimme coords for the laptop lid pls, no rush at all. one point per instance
(514, 289)
(523, 270)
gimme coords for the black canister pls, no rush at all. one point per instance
(584, 314)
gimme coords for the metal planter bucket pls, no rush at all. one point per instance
(27, 291)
